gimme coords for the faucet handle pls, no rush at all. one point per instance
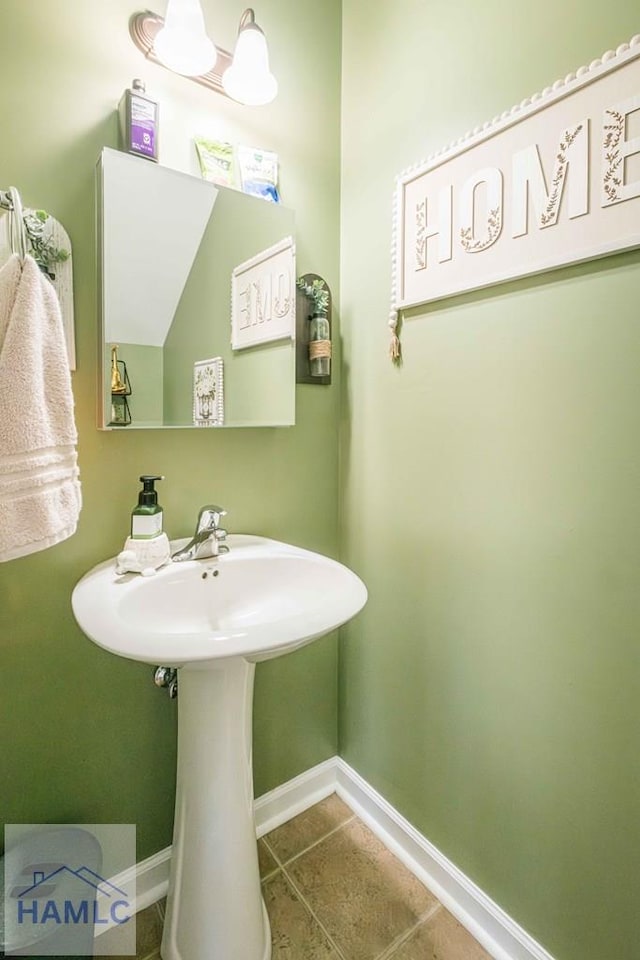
(209, 517)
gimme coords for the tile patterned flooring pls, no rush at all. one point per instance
(334, 892)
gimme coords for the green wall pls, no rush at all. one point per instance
(144, 368)
(489, 486)
(490, 689)
(85, 736)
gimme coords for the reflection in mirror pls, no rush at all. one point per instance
(168, 247)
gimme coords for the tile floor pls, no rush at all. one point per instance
(334, 892)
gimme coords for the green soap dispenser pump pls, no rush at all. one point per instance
(146, 517)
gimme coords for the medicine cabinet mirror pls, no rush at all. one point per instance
(168, 244)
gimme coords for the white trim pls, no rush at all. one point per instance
(289, 799)
(149, 879)
(494, 929)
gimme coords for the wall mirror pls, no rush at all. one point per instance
(168, 246)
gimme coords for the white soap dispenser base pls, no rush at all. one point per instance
(143, 556)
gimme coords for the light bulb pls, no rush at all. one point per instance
(182, 44)
(248, 79)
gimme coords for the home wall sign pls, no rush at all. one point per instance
(555, 180)
(263, 297)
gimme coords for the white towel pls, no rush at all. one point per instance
(40, 495)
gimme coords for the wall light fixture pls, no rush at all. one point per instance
(180, 43)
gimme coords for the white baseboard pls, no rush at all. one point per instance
(150, 881)
(152, 878)
(288, 800)
(494, 929)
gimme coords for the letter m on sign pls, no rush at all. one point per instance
(529, 183)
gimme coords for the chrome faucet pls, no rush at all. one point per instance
(208, 540)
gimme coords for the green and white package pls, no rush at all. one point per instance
(259, 173)
(216, 161)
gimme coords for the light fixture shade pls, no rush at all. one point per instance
(182, 44)
(249, 80)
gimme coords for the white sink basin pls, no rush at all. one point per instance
(260, 600)
(213, 619)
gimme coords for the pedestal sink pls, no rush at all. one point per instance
(214, 619)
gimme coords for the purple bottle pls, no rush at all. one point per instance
(139, 122)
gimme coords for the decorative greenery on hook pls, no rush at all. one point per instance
(44, 251)
(317, 292)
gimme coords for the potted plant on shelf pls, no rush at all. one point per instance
(319, 329)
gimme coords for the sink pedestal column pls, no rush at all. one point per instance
(214, 906)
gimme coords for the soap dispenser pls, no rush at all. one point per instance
(147, 548)
(146, 517)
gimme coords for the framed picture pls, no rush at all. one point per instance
(263, 297)
(208, 393)
(555, 180)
